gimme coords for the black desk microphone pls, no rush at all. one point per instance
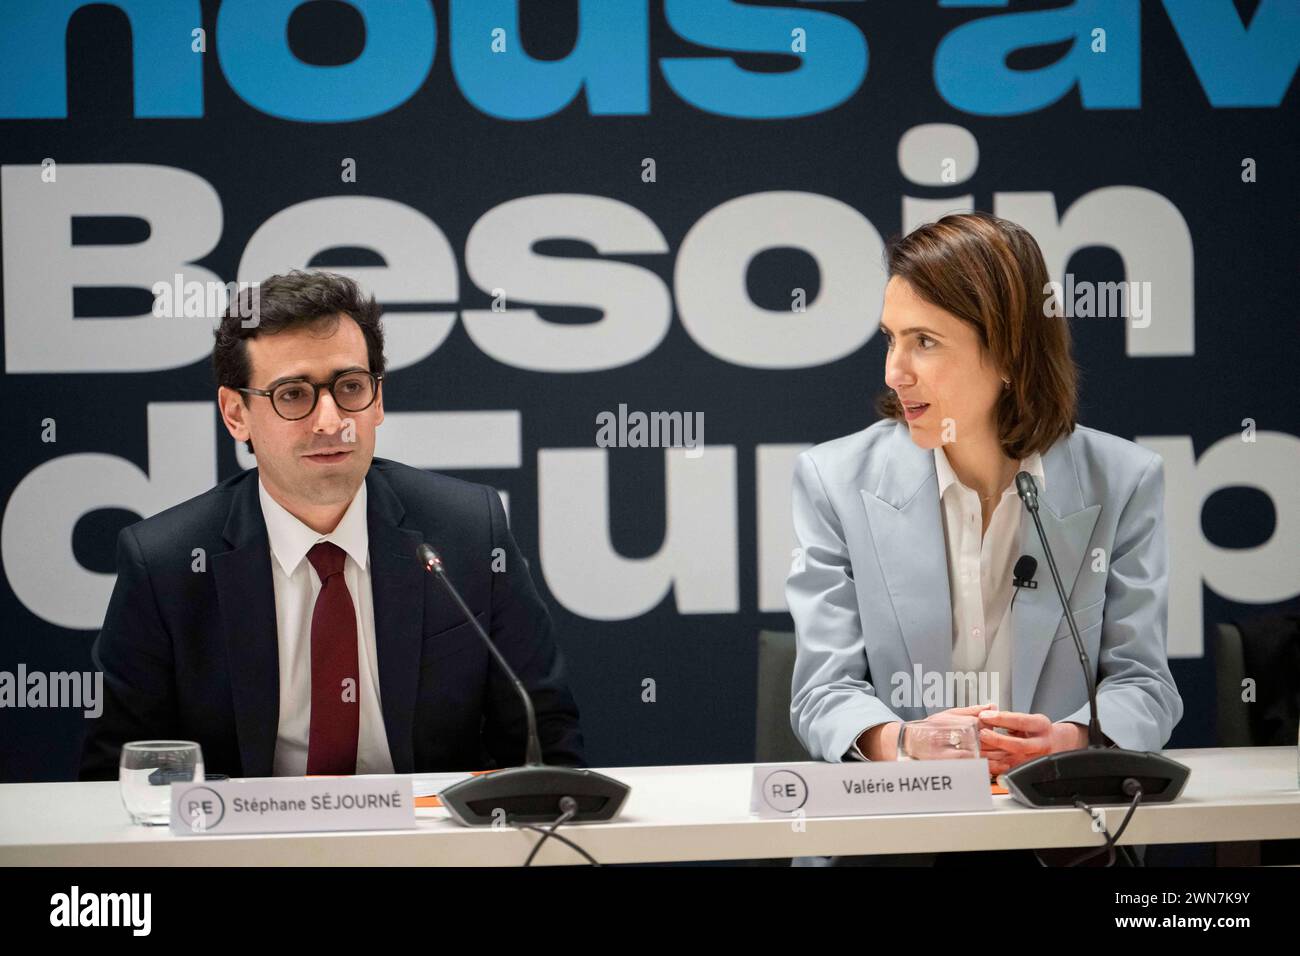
(533, 793)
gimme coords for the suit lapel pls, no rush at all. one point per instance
(246, 599)
(397, 586)
(907, 528)
(1068, 526)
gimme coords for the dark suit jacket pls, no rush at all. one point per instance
(193, 654)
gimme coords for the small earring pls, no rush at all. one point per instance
(1006, 383)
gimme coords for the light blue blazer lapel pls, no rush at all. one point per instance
(907, 528)
(1068, 526)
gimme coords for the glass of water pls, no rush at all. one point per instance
(942, 737)
(148, 769)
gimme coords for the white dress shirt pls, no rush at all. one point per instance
(296, 587)
(980, 565)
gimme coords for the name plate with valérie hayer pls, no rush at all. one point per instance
(863, 787)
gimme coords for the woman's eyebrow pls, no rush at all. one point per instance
(911, 329)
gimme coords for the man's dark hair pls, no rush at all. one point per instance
(289, 301)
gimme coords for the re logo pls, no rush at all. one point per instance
(785, 790)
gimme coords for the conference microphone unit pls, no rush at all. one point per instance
(1096, 774)
(533, 793)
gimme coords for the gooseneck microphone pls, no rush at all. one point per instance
(430, 561)
(1097, 774)
(533, 793)
(1028, 492)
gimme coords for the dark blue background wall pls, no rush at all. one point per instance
(438, 152)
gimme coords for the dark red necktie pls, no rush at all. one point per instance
(335, 687)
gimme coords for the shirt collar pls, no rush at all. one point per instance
(947, 477)
(291, 539)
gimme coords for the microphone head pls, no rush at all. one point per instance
(1025, 568)
(1027, 489)
(428, 557)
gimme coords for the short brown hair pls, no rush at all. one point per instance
(990, 273)
(287, 301)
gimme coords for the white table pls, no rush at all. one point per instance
(673, 813)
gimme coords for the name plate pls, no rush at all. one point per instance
(292, 805)
(861, 788)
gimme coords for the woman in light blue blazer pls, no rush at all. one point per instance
(908, 530)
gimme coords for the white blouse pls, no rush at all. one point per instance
(979, 582)
(979, 578)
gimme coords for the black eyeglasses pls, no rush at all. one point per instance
(353, 391)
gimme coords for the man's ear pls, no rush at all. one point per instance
(233, 412)
(379, 406)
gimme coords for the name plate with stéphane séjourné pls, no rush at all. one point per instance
(859, 788)
(292, 805)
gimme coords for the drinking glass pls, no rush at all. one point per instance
(942, 737)
(146, 772)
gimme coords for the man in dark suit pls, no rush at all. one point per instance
(282, 619)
